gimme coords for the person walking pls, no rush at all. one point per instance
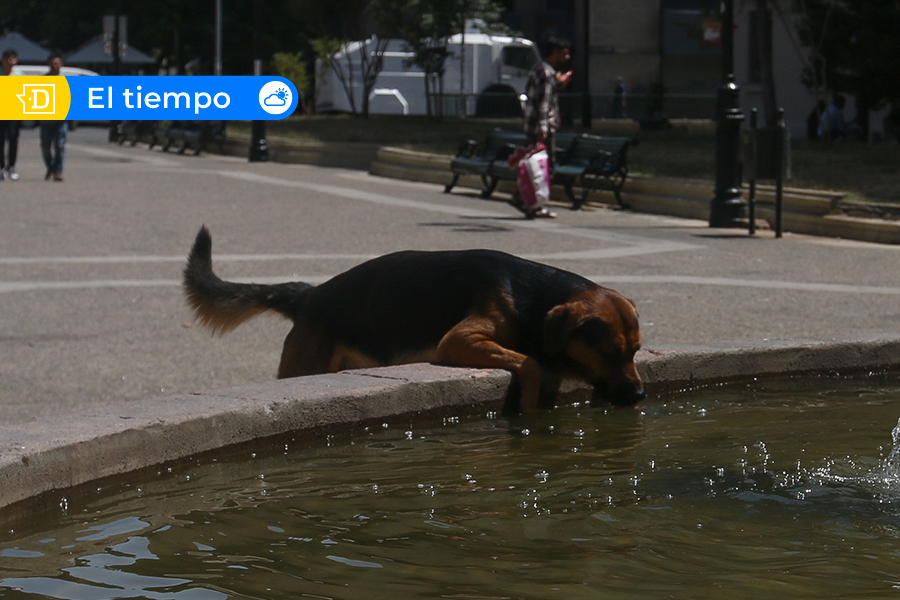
(619, 101)
(54, 133)
(832, 125)
(541, 116)
(9, 130)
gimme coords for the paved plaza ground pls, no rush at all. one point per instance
(92, 310)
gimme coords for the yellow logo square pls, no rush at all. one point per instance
(34, 98)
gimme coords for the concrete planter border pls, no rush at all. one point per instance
(810, 212)
(51, 455)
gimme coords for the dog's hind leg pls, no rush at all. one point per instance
(305, 352)
(473, 343)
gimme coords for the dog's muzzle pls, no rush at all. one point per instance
(624, 395)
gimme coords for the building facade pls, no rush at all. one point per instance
(669, 54)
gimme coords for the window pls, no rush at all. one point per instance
(520, 57)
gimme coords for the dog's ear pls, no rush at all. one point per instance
(558, 326)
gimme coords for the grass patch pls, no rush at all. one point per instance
(866, 171)
(414, 133)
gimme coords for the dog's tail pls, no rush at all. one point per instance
(223, 305)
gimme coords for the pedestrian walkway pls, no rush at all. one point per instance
(90, 268)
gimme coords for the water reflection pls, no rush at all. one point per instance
(105, 575)
(114, 529)
(761, 493)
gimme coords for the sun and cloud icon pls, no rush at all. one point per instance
(279, 98)
(275, 98)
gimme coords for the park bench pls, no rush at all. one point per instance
(136, 131)
(593, 163)
(486, 159)
(187, 134)
(589, 161)
(502, 170)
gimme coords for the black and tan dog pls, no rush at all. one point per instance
(470, 308)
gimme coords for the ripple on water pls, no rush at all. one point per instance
(786, 490)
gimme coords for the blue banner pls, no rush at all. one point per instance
(125, 98)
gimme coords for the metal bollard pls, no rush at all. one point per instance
(751, 171)
(727, 206)
(781, 141)
(767, 158)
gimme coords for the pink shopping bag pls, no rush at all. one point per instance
(533, 175)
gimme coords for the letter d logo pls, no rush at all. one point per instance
(38, 99)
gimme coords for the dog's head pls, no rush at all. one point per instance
(596, 335)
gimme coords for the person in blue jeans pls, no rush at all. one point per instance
(53, 133)
(9, 130)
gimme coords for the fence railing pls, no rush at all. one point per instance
(637, 106)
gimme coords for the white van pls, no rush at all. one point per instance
(42, 70)
(490, 71)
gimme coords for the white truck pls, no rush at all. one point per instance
(484, 75)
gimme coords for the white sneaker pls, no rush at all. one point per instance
(3, 174)
(13, 174)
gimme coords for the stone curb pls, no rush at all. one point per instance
(57, 453)
(347, 156)
(811, 212)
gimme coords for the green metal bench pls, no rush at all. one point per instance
(136, 131)
(186, 134)
(500, 170)
(594, 163)
(486, 159)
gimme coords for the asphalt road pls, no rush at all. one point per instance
(92, 311)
